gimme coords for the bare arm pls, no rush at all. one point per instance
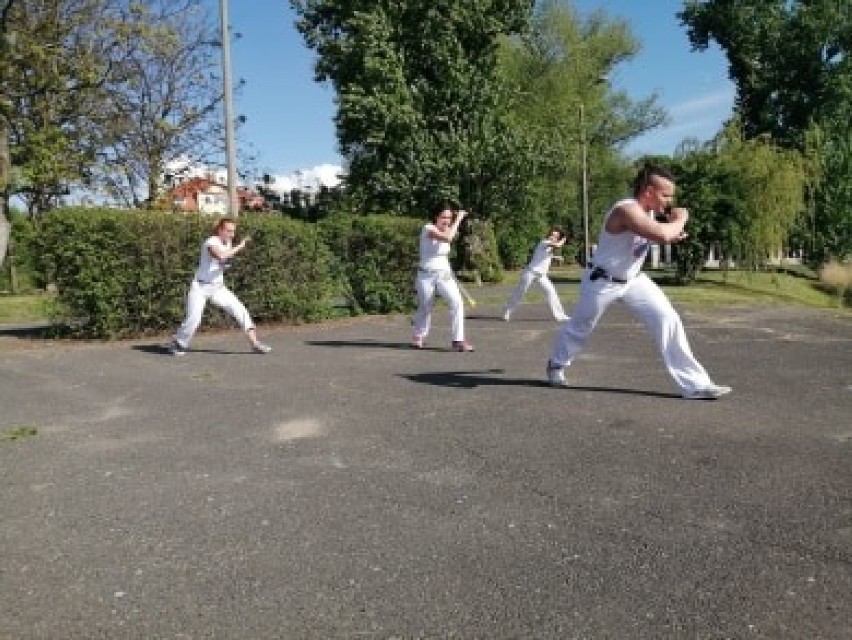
(450, 233)
(221, 252)
(631, 217)
(557, 244)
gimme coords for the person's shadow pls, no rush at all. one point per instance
(369, 343)
(164, 350)
(33, 332)
(491, 377)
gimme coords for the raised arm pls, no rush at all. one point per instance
(450, 234)
(631, 217)
(221, 252)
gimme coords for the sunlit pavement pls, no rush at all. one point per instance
(345, 485)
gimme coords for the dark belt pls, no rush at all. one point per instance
(599, 272)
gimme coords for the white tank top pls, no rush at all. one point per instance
(211, 270)
(433, 253)
(540, 262)
(620, 254)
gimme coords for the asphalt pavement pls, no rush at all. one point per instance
(347, 486)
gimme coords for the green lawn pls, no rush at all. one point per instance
(716, 287)
(22, 309)
(712, 288)
(739, 287)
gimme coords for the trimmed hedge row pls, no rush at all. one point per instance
(126, 273)
(375, 259)
(120, 274)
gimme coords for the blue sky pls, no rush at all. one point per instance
(289, 116)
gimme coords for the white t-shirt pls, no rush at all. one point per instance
(621, 254)
(211, 270)
(540, 261)
(433, 253)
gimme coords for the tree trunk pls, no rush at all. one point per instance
(5, 170)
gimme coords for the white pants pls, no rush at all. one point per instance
(427, 284)
(528, 277)
(196, 300)
(650, 304)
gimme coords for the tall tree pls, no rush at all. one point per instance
(791, 60)
(826, 230)
(745, 198)
(417, 94)
(162, 100)
(558, 96)
(56, 58)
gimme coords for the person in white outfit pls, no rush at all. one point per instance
(209, 284)
(434, 276)
(615, 274)
(536, 271)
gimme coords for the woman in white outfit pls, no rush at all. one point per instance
(614, 274)
(434, 276)
(536, 271)
(209, 284)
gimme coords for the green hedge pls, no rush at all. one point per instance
(22, 255)
(125, 274)
(121, 274)
(375, 259)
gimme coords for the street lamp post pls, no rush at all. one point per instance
(584, 170)
(227, 89)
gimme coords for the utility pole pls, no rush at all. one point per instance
(584, 161)
(6, 42)
(5, 170)
(584, 170)
(230, 147)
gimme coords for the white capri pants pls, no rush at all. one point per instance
(428, 283)
(528, 277)
(647, 301)
(196, 300)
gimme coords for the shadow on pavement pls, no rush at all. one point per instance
(163, 350)
(36, 331)
(369, 343)
(473, 379)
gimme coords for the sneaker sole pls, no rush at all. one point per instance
(561, 382)
(706, 396)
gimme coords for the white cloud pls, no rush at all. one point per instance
(698, 117)
(712, 102)
(305, 180)
(308, 180)
(182, 169)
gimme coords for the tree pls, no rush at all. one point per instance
(558, 97)
(745, 197)
(417, 96)
(56, 58)
(162, 100)
(791, 62)
(828, 226)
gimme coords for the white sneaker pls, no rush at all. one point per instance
(506, 315)
(563, 318)
(555, 375)
(259, 347)
(176, 349)
(710, 392)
